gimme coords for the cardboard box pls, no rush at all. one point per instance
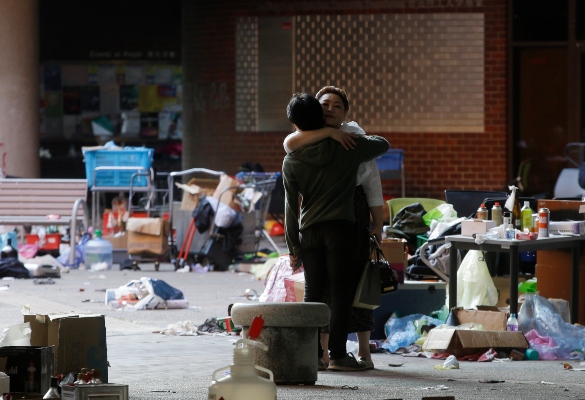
(471, 226)
(489, 317)
(222, 193)
(150, 235)
(195, 188)
(465, 342)
(110, 391)
(295, 288)
(395, 253)
(119, 242)
(24, 362)
(79, 340)
(571, 227)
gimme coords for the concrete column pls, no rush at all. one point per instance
(19, 88)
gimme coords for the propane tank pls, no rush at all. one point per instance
(243, 382)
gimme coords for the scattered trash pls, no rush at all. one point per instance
(438, 387)
(210, 326)
(251, 294)
(547, 383)
(200, 268)
(45, 281)
(183, 270)
(350, 387)
(16, 335)
(183, 328)
(491, 354)
(395, 364)
(82, 289)
(450, 363)
(146, 293)
(567, 366)
(490, 381)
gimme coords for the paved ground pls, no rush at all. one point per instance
(157, 366)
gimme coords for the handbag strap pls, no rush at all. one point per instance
(376, 249)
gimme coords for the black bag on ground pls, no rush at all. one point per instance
(12, 268)
(408, 224)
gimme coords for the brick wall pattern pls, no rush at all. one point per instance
(404, 72)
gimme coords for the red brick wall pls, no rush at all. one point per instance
(433, 161)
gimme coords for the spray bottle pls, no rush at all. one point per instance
(243, 382)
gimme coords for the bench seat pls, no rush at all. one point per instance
(45, 202)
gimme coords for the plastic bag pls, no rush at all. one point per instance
(475, 286)
(443, 213)
(274, 289)
(16, 335)
(402, 332)
(528, 286)
(79, 253)
(540, 314)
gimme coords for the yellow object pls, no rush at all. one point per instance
(268, 225)
(397, 204)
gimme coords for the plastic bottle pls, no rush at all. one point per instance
(243, 382)
(98, 253)
(531, 354)
(497, 213)
(510, 232)
(526, 216)
(512, 324)
(53, 392)
(8, 251)
(482, 212)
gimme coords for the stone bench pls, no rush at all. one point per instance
(291, 334)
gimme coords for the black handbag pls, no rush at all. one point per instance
(388, 277)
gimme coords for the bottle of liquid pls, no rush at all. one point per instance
(512, 324)
(506, 219)
(510, 232)
(53, 392)
(482, 212)
(8, 251)
(497, 213)
(516, 211)
(526, 216)
(243, 381)
(98, 253)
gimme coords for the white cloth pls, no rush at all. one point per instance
(368, 174)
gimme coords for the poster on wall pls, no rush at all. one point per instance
(148, 125)
(71, 100)
(52, 77)
(128, 97)
(90, 98)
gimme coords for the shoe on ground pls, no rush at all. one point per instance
(347, 363)
(321, 365)
(368, 363)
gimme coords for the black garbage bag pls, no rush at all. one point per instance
(12, 268)
(408, 224)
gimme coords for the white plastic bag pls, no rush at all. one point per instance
(475, 286)
(16, 335)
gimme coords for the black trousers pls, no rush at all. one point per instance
(327, 253)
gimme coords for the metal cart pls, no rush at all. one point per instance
(264, 183)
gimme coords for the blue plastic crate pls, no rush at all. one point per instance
(135, 157)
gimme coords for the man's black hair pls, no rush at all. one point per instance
(305, 112)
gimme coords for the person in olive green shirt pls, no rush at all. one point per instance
(324, 176)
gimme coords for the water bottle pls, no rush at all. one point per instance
(482, 213)
(526, 214)
(512, 324)
(98, 253)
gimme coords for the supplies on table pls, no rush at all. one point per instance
(146, 293)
